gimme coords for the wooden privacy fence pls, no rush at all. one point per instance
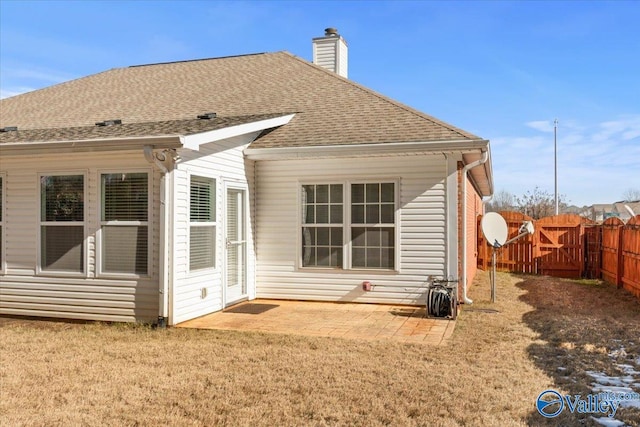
(571, 246)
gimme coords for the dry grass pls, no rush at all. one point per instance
(57, 373)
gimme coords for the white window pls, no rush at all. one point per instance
(373, 225)
(125, 223)
(367, 222)
(62, 223)
(322, 225)
(202, 223)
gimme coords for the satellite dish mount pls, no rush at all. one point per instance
(495, 231)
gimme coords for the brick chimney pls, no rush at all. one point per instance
(330, 52)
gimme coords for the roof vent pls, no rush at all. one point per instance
(207, 116)
(331, 32)
(9, 129)
(109, 122)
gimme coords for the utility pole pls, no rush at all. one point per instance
(555, 160)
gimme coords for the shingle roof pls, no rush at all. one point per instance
(330, 110)
(130, 130)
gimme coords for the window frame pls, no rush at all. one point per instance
(3, 215)
(214, 224)
(100, 223)
(329, 225)
(347, 225)
(40, 271)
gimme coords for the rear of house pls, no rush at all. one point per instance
(128, 211)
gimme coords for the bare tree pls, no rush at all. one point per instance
(502, 201)
(539, 203)
(631, 194)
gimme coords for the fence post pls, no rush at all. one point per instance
(620, 254)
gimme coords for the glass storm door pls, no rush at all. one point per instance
(236, 245)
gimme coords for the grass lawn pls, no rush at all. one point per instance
(546, 333)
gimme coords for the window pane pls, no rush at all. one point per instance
(386, 214)
(308, 194)
(358, 236)
(124, 197)
(308, 236)
(387, 258)
(124, 249)
(310, 217)
(202, 247)
(373, 214)
(336, 236)
(373, 257)
(373, 237)
(373, 193)
(202, 201)
(308, 256)
(336, 193)
(336, 257)
(322, 194)
(322, 214)
(359, 259)
(357, 193)
(387, 192)
(61, 248)
(387, 237)
(323, 257)
(357, 214)
(323, 236)
(336, 214)
(62, 198)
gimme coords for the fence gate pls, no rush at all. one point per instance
(560, 245)
(592, 253)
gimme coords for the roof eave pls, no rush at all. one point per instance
(364, 150)
(89, 145)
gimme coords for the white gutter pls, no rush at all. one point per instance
(164, 258)
(89, 145)
(445, 146)
(485, 157)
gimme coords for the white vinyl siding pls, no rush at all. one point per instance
(62, 223)
(199, 292)
(419, 232)
(88, 296)
(202, 217)
(124, 223)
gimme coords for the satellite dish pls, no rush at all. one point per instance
(526, 228)
(628, 208)
(495, 229)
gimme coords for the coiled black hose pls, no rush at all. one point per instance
(439, 302)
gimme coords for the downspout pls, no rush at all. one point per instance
(467, 168)
(163, 289)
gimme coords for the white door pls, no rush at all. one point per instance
(236, 244)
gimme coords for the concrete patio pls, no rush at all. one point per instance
(326, 319)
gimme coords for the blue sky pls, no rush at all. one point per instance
(502, 70)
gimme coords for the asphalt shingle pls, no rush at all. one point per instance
(165, 98)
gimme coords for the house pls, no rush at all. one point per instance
(623, 210)
(169, 191)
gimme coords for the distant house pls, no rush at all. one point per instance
(602, 211)
(169, 191)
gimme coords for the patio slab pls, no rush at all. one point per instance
(327, 319)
